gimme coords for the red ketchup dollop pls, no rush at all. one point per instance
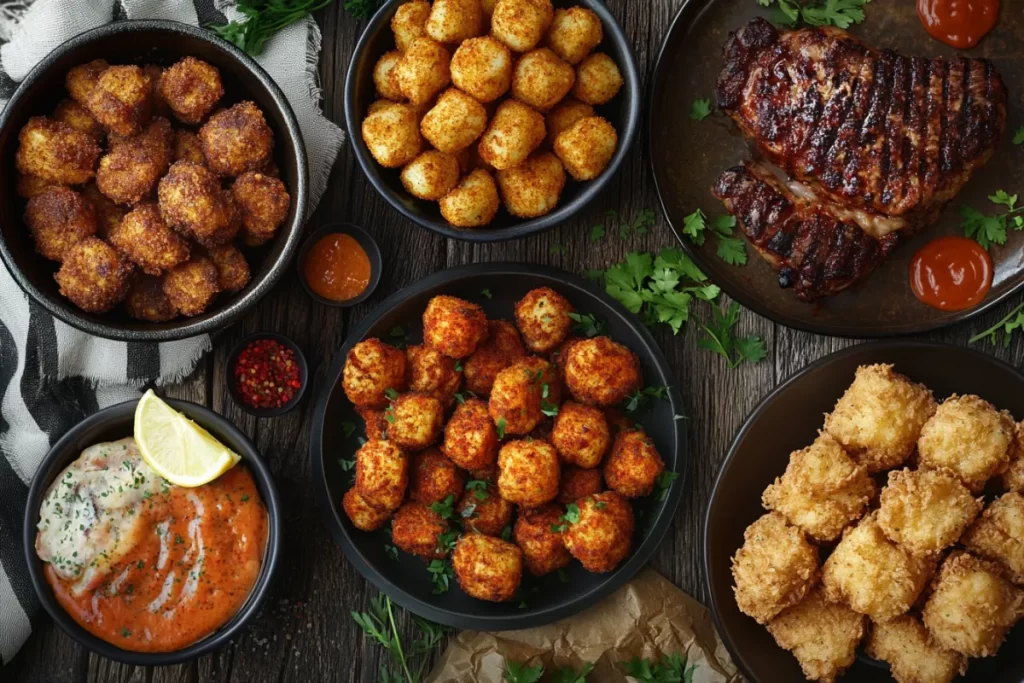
(951, 273)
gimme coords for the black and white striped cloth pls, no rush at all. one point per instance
(52, 375)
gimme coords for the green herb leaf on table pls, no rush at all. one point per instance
(587, 325)
(1018, 137)
(558, 248)
(263, 18)
(521, 673)
(839, 13)
(700, 110)
(720, 339)
(597, 232)
(671, 669)
(567, 674)
(732, 250)
(378, 625)
(1005, 328)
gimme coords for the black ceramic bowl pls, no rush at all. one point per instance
(368, 244)
(116, 422)
(623, 112)
(336, 430)
(163, 43)
(229, 375)
(789, 419)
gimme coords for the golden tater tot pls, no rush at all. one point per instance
(574, 33)
(415, 528)
(521, 24)
(233, 271)
(532, 188)
(129, 172)
(237, 140)
(470, 439)
(541, 79)
(999, 535)
(192, 202)
(453, 21)
(482, 68)
(542, 316)
(145, 240)
(55, 152)
(147, 301)
(926, 511)
(455, 122)
(29, 186)
(970, 437)
(81, 79)
(517, 394)
(581, 435)
(453, 326)
(564, 116)
(79, 118)
(577, 482)
(378, 105)
(122, 99)
(108, 214)
(514, 132)
(363, 516)
(59, 218)
(392, 135)
(191, 88)
(1013, 477)
(473, 203)
(431, 175)
(187, 147)
(385, 78)
(488, 568)
(93, 276)
(432, 373)
(424, 70)
(912, 656)
(382, 474)
(263, 202)
(484, 511)
(971, 606)
(879, 418)
(598, 79)
(822, 635)
(601, 372)
(372, 369)
(410, 23)
(822, 491)
(416, 421)
(602, 536)
(192, 285)
(634, 464)
(587, 147)
(542, 546)
(502, 348)
(434, 477)
(528, 472)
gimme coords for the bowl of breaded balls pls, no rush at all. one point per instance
(486, 120)
(885, 542)
(154, 182)
(487, 460)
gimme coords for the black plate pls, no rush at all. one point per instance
(761, 451)
(406, 579)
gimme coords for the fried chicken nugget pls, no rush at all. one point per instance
(129, 172)
(474, 202)
(542, 316)
(363, 516)
(822, 635)
(517, 397)
(232, 268)
(263, 202)
(375, 423)
(925, 511)
(879, 418)
(55, 152)
(488, 568)
(29, 186)
(970, 437)
(416, 421)
(188, 148)
(822, 491)
(538, 535)
(502, 348)
(577, 482)
(528, 472)
(121, 99)
(432, 373)
(602, 536)
(93, 276)
(634, 464)
(59, 218)
(147, 301)
(237, 140)
(486, 512)
(372, 370)
(145, 240)
(192, 203)
(192, 285)
(434, 477)
(382, 474)
(470, 438)
(581, 435)
(78, 117)
(415, 528)
(453, 326)
(601, 372)
(999, 535)
(912, 655)
(191, 88)
(81, 79)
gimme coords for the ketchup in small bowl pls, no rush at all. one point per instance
(340, 264)
(951, 273)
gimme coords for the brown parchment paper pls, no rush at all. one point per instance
(648, 617)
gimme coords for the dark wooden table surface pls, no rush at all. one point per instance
(304, 632)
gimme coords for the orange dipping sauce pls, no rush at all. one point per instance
(337, 267)
(960, 23)
(951, 273)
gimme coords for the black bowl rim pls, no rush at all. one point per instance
(249, 609)
(741, 294)
(300, 358)
(564, 211)
(291, 233)
(529, 618)
(366, 241)
(755, 415)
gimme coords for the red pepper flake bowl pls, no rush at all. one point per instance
(267, 374)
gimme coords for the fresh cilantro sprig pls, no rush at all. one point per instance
(989, 230)
(1005, 328)
(567, 674)
(264, 18)
(378, 625)
(519, 672)
(1018, 137)
(720, 338)
(840, 13)
(671, 669)
(700, 110)
(587, 325)
(731, 249)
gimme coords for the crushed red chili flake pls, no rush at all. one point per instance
(267, 374)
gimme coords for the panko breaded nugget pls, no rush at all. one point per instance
(470, 438)
(382, 474)
(521, 24)
(528, 472)
(822, 491)
(586, 148)
(108, 214)
(424, 70)
(517, 397)
(233, 271)
(192, 203)
(774, 569)
(431, 175)
(598, 79)
(970, 437)
(574, 33)
(434, 477)
(237, 140)
(822, 635)
(912, 655)
(59, 218)
(485, 512)
(538, 535)
(375, 423)
(634, 464)
(542, 316)
(602, 536)
(581, 435)
(926, 511)
(453, 326)
(971, 607)
(372, 369)
(122, 99)
(432, 373)
(385, 78)
(130, 170)
(502, 348)
(191, 286)
(879, 418)
(513, 133)
(410, 23)
(81, 79)
(473, 203)
(191, 88)
(542, 79)
(93, 276)
(534, 187)
(147, 301)
(392, 135)
(482, 68)
(487, 568)
(145, 240)
(999, 535)
(187, 147)
(564, 116)
(1013, 478)
(577, 482)
(453, 21)
(55, 152)
(454, 122)
(78, 117)
(29, 186)
(601, 372)
(415, 528)
(263, 202)
(363, 516)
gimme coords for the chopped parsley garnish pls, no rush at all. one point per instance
(839, 13)
(444, 508)
(700, 110)
(500, 427)
(587, 325)
(441, 575)
(663, 483)
(478, 487)
(731, 249)
(989, 230)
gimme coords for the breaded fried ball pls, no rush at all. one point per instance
(541, 79)
(485, 512)
(528, 472)
(1013, 477)
(532, 188)
(146, 241)
(263, 202)
(192, 286)
(237, 140)
(363, 516)
(634, 465)
(59, 218)
(371, 369)
(147, 301)
(971, 607)
(822, 491)
(392, 135)
(55, 152)
(434, 478)
(521, 24)
(453, 326)
(822, 635)
(432, 373)
(191, 88)
(160, 106)
(382, 474)
(187, 147)
(418, 420)
(431, 175)
(453, 21)
(878, 419)
(581, 435)
(598, 79)
(998, 535)
(454, 122)
(108, 214)
(192, 203)
(542, 316)
(122, 99)
(482, 68)
(378, 105)
(587, 147)
(926, 511)
(517, 394)
(232, 268)
(872, 574)
(410, 23)
(81, 79)
(129, 172)
(775, 569)
(385, 78)
(603, 535)
(514, 132)
(470, 439)
(93, 276)
(424, 70)
(564, 116)
(574, 33)
(601, 372)
(29, 186)
(487, 568)
(912, 656)
(78, 117)
(415, 528)
(543, 549)
(473, 203)
(970, 437)
(577, 482)
(560, 356)
(502, 348)
(375, 423)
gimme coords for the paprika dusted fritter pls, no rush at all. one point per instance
(93, 276)
(432, 373)
(634, 464)
(382, 474)
(434, 477)
(415, 528)
(59, 218)
(603, 535)
(372, 370)
(191, 88)
(485, 511)
(145, 240)
(502, 348)
(528, 472)
(601, 372)
(192, 285)
(488, 568)
(543, 317)
(237, 140)
(453, 326)
(470, 438)
(416, 421)
(148, 302)
(581, 434)
(535, 533)
(363, 515)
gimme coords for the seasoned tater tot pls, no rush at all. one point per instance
(486, 512)
(528, 472)
(602, 536)
(363, 516)
(81, 79)
(502, 348)
(482, 68)
(431, 175)
(416, 421)
(122, 99)
(601, 372)
(192, 285)
(487, 568)
(55, 152)
(473, 203)
(925, 511)
(434, 477)
(470, 439)
(517, 394)
(574, 33)
(129, 172)
(1013, 477)
(415, 528)
(453, 326)
(108, 214)
(432, 373)
(79, 118)
(385, 78)
(971, 606)
(147, 301)
(187, 147)
(424, 70)
(372, 368)
(514, 132)
(232, 269)
(878, 419)
(392, 135)
(532, 188)
(822, 635)
(410, 23)
(455, 122)
(912, 656)
(970, 437)
(29, 186)
(145, 240)
(541, 79)
(587, 147)
(59, 218)
(564, 116)
(542, 546)
(822, 490)
(192, 203)
(378, 105)
(191, 88)
(598, 79)
(93, 276)
(542, 316)
(577, 482)
(520, 24)
(237, 140)
(453, 21)
(634, 464)
(999, 535)
(263, 202)
(382, 474)
(581, 435)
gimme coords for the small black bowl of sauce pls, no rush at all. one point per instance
(339, 265)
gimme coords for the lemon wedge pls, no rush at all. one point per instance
(177, 448)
